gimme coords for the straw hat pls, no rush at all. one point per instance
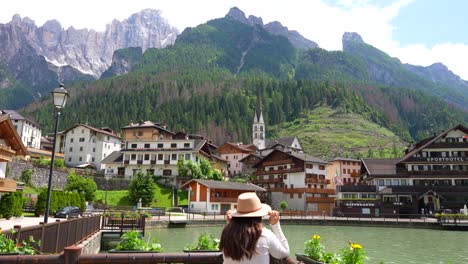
(249, 205)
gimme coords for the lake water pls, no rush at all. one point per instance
(392, 245)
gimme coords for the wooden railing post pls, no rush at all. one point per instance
(41, 248)
(57, 237)
(71, 254)
(16, 237)
(121, 222)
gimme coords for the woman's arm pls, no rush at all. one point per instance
(279, 247)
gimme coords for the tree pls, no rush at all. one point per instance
(206, 169)
(142, 187)
(182, 168)
(80, 184)
(26, 176)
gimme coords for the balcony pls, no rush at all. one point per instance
(267, 180)
(449, 145)
(277, 162)
(297, 169)
(6, 153)
(313, 180)
(7, 185)
(437, 159)
(167, 162)
(320, 200)
(303, 190)
(223, 199)
(139, 161)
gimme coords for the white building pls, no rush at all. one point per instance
(84, 145)
(29, 131)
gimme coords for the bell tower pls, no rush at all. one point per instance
(258, 129)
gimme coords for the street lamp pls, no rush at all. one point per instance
(60, 96)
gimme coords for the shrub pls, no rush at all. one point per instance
(283, 205)
(131, 241)
(142, 186)
(26, 176)
(59, 200)
(11, 204)
(80, 184)
(205, 242)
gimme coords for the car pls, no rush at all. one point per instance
(68, 212)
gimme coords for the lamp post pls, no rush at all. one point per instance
(60, 96)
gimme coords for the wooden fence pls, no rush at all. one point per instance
(56, 236)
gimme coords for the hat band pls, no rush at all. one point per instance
(248, 212)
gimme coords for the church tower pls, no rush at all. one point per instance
(258, 129)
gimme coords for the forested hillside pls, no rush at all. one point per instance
(208, 80)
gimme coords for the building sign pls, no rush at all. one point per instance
(447, 159)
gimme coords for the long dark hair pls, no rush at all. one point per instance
(240, 237)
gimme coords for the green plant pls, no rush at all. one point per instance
(26, 176)
(81, 185)
(131, 241)
(283, 205)
(59, 200)
(314, 249)
(11, 204)
(142, 186)
(205, 242)
(8, 245)
(354, 254)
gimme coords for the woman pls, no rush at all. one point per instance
(245, 240)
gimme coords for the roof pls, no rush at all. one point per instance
(16, 116)
(286, 141)
(226, 185)
(380, 166)
(148, 124)
(306, 157)
(97, 130)
(10, 135)
(428, 141)
(248, 156)
(242, 147)
(114, 157)
(346, 159)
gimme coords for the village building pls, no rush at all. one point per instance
(298, 179)
(86, 146)
(233, 153)
(11, 145)
(216, 196)
(248, 164)
(29, 131)
(431, 176)
(344, 171)
(152, 149)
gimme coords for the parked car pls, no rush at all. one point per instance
(68, 212)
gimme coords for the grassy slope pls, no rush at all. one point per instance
(162, 197)
(326, 133)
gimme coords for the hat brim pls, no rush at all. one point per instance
(264, 210)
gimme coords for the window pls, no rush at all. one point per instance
(388, 182)
(80, 159)
(299, 195)
(160, 156)
(82, 131)
(167, 172)
(69, 159)
(147, 145)
(174, 157)
(147, 156)
(186, 145)
(150, 172)
(404, 182)
(173, 145)
(82, 139)
(133, 157)
(140, 133)
(133, 146)
(285, 176)
(214, 207)
(71, 140)
(381, 182)
(396, 182)
(344, 170)
(187, 156)
(94, 149)
(92, 159)
(160, 145)
(71, 149)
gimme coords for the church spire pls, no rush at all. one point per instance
(258, 128)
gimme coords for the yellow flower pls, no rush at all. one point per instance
(316, 237)
(356, 246)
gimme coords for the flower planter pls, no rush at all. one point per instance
(10, 253)
(305, 259)
(131, 251)
(207, 250)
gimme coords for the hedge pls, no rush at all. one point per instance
(58, 200)
(11, 204)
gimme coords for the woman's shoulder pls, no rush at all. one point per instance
(267, 232)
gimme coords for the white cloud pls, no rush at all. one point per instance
(317, 20)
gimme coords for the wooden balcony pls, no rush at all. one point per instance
(303, 190)
(268, 180)
(449, 145)
(7, 185)
(313, 180)
(6, 153)
(223, 199)
(320, 200)
(355, 174)
(297, 169)
(277, 162)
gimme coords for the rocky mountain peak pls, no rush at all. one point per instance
(237, 15)
(438, 67)
(352, 37)
(52, 25)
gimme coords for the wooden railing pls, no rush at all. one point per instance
(56, 236)
(223, 199)
(303, 190)
(296, 169)
(267, 180)
(120, 223)
(7, 185)
(320, 200)
(313, 180)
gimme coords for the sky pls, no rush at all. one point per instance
(420, 32)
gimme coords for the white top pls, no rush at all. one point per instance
(270, 243)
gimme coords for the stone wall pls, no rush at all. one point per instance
(91, 245)
(112, 184)
(40, 176)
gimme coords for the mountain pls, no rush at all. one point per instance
(33, 59)
(207, 83)
(275, 28)
(383, 69)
